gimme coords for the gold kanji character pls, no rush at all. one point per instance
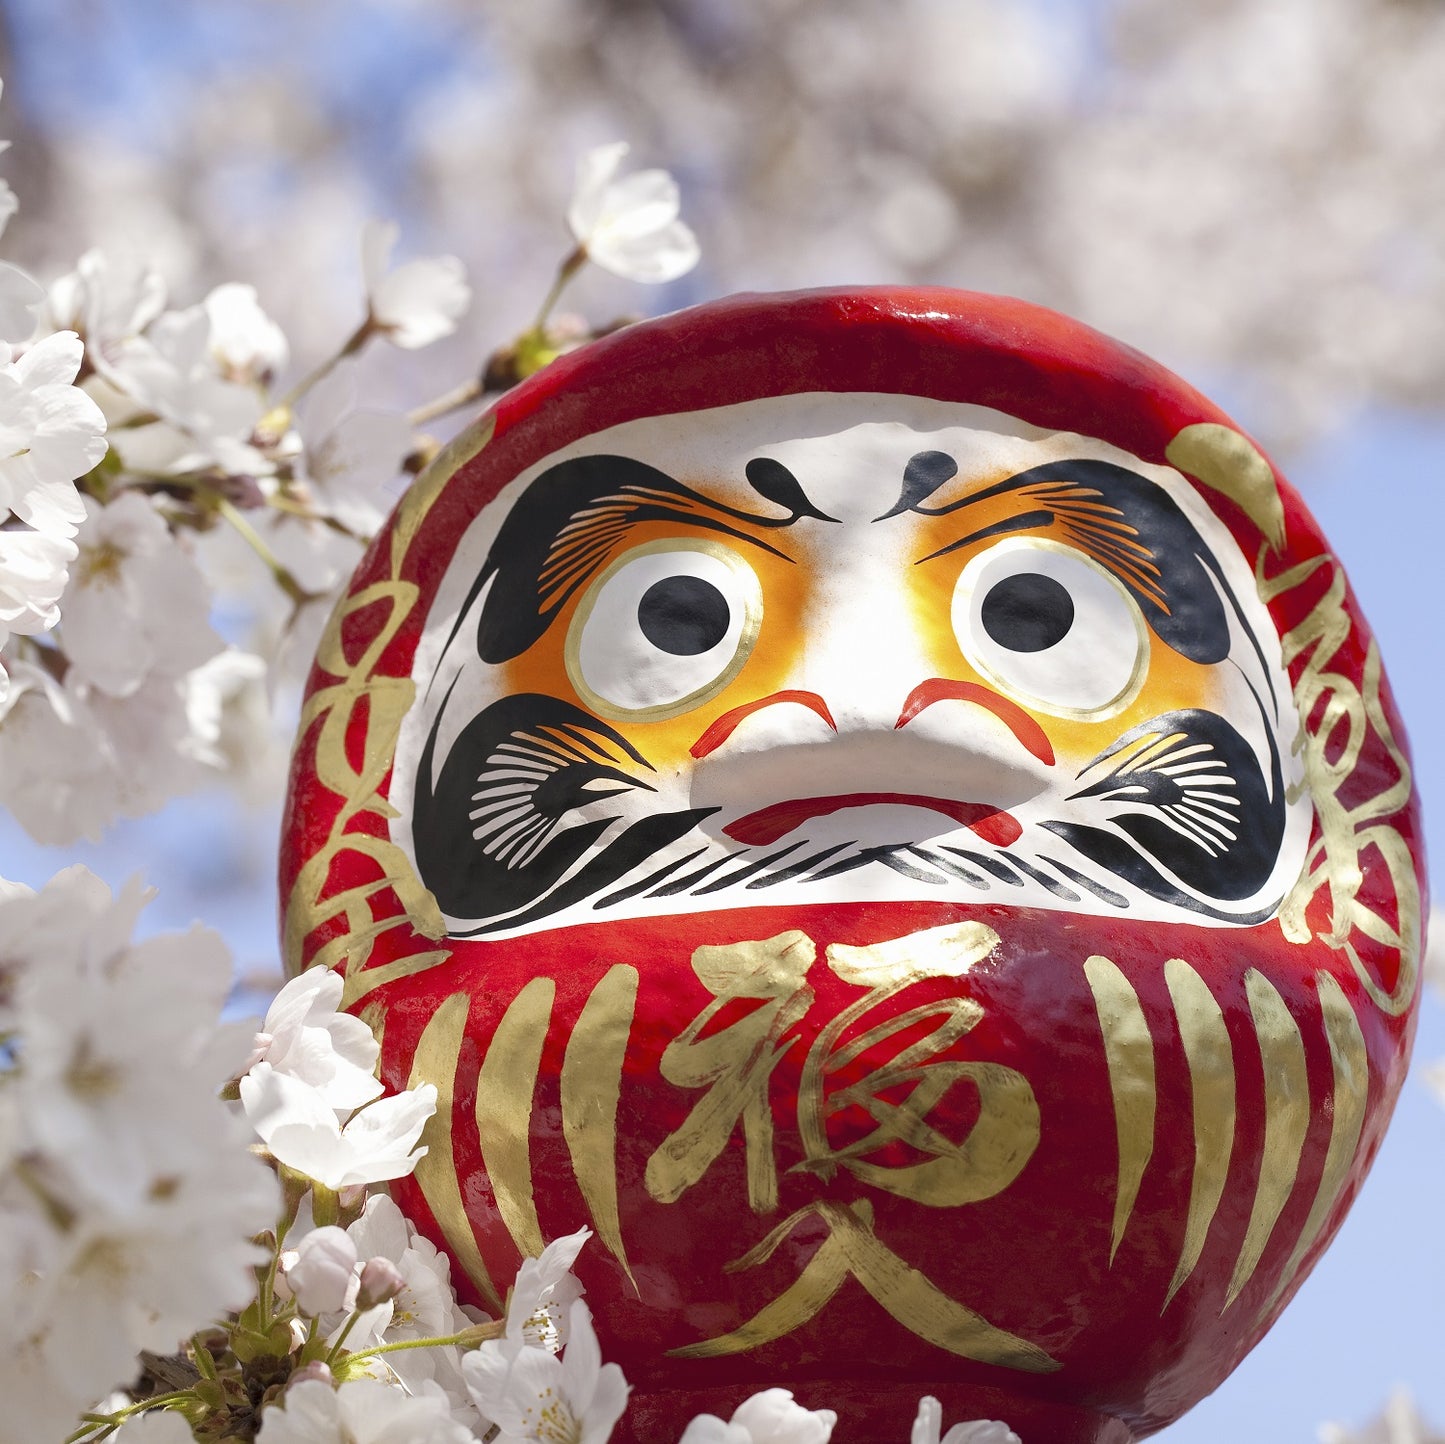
(734, 1064)
(1004, 1135)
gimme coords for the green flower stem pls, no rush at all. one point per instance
(325, 1205)
(113, 1421)
(354, 343)
(346, 1328)
(468, 1338)
(284, 579)
(452, 400)
(569, 268)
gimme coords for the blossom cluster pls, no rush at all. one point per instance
(128, 1200)
(134, 1219)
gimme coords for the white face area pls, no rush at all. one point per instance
(843, 647)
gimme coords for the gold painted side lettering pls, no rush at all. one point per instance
(331, 710)
(505, 1088)
(1129, 1056)
(1347, 828)
(591, 1088)
(435, 1061)
(1210, 1058)
(1286, 1121)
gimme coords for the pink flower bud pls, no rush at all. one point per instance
(381, 1281)
(316, 1370)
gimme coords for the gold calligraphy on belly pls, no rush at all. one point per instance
(735, 1064)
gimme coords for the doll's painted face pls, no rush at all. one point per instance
(844, 647)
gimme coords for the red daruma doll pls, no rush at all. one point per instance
(880, 804)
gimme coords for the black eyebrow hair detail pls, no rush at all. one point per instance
(570, 518)
(1022, 522)
(1128, 524)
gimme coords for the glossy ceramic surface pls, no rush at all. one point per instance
(882, 805)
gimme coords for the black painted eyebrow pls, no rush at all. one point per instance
(570, 519)
(1126, 522)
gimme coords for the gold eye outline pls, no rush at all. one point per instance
(752, 597)
(963, 593)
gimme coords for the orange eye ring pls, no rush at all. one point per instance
(616, 669)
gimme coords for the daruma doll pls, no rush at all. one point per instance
(881, 805)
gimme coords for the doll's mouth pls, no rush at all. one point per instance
(768, 824)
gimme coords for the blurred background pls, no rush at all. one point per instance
(1249, 190)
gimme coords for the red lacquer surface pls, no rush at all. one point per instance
(755, 1156)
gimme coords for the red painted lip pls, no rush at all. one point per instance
(768, 824)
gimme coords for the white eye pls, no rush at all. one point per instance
(1051, 627)
(666, 626)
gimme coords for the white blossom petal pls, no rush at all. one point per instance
(20, 294)
(50, 433)
(137, 603)
(630, 226)
(359, 1411)
(308, 1039)
(772, 1417)
(418, 302)
(301, 1130)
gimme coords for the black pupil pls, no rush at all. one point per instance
(683, 616)
(1027, 612)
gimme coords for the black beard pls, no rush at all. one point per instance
(489, 837)
(1183, 793)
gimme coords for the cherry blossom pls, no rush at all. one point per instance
(302, 1131)
(772, 1417)
(73, 758)
(320, 1272)
(20, 297)
(108, 302)
(136, 603)
(205, 418)
(420, 1306)
(32, 577)
(50, 433)
(133, 1224)
(978, 1431)
(245, 343)
(154, 1426)
(629, 225)
(360, 1411)
(543, 1293)
(1399, 1422)
(534, 1395)
(349, 455)
(416, 303)
(305, 1037)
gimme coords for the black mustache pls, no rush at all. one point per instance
(1183, 796)
(488, 834)
(1189, 793)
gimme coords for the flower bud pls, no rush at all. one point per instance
(316, 1369)
(381, 1281)
(323, 1277)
